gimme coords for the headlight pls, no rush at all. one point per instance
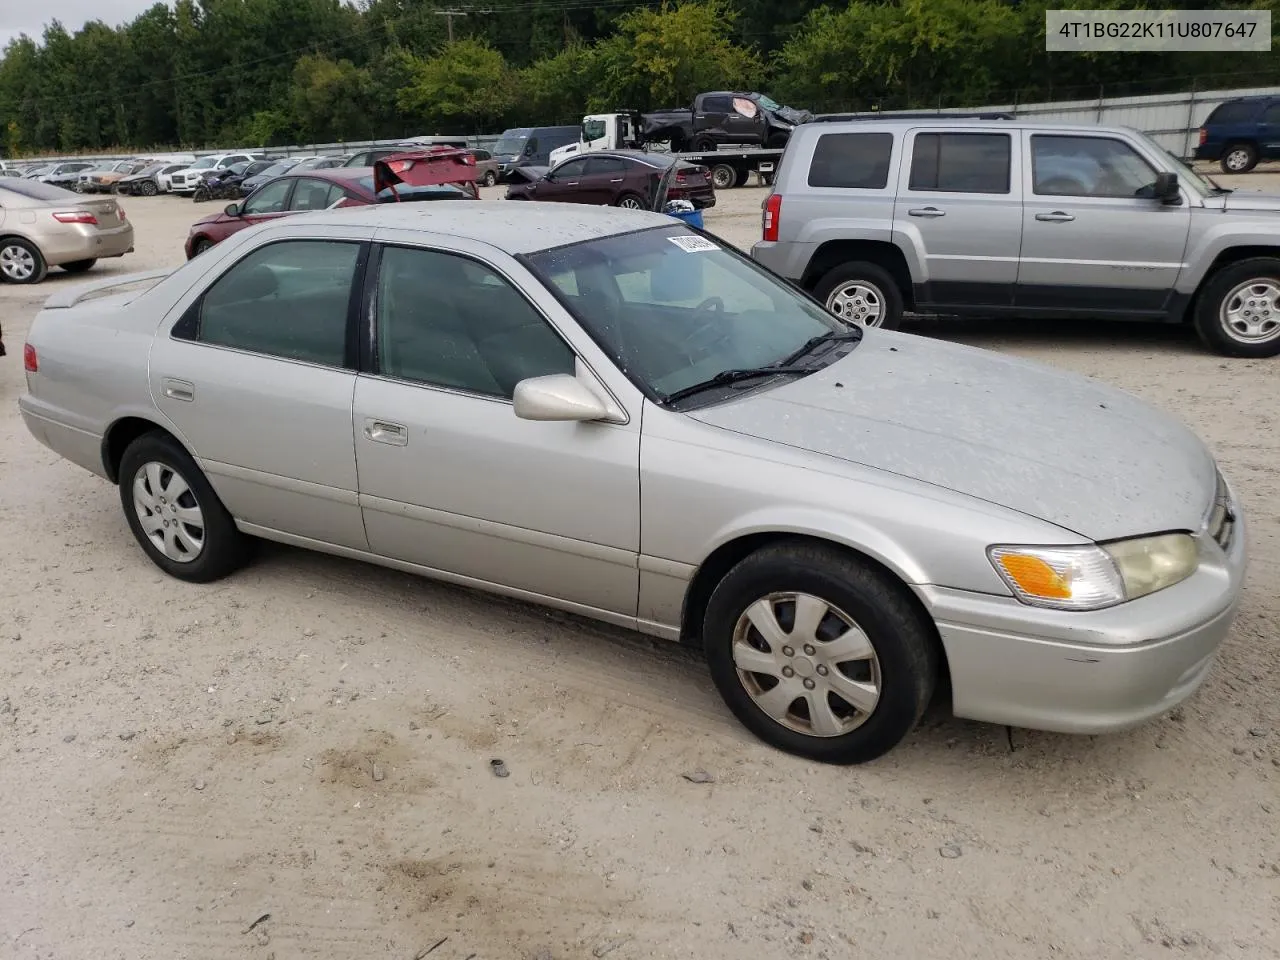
(1090, 577)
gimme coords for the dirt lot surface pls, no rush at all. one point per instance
(295, 762)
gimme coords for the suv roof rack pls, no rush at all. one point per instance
(840, 117)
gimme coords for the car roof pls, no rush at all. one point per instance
(514, 227)
(941, 122)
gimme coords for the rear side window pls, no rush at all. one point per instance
(856, 161)
(1237, 111)
(1272, 113)
(961, 163)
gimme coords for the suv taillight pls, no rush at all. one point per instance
(772, 214)
(29, 361)
(1204, 135)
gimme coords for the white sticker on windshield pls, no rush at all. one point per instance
(693, 243)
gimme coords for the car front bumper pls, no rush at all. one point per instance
(1088, 672)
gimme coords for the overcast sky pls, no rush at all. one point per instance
(30, 16)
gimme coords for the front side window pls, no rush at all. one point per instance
(287, 299)
(717, 104)
(673, 309)
(961, 163)
(269, 198)
(855, 161)
(570, 169)
(448, 321)
(1088, 167)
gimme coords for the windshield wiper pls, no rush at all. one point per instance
(726, 377)
(835, 336)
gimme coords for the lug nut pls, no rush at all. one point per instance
(788, 672)
(809, 684)
(808, 649)
(788, 652)
(822, 671)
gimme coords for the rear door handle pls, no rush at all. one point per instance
(926, 212)
(1056, 217)
(383, 431)
(178, 389)
(619, 180)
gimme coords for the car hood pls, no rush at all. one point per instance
(1049, 444)
(1251, 200)
(528, 174)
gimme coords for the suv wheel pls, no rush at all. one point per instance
(862, 293)
(1238, 313)
(1239, 158)
(819, 654)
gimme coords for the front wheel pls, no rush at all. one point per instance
(201, 194)
(818, 653)
(490, 179)
(1238, 311)
(862, 293)
(174, 513)
(149, 188)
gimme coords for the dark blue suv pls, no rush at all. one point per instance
(1239, 133)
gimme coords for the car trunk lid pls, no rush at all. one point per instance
(435, 166)
(107, 211)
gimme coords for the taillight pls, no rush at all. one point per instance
(1204, 135)
(772, 214)
(120, 212)
(74, 216)
(29, 360)
(681, 176)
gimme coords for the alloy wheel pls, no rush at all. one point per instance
(1237, 159)
(630, 203)
(858, 302)
(168, 512)
(806, 664)
(17, 263)
(1250, 313)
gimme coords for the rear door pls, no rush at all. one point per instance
(1269, 132)
(958, 213)
(603, 179)
(712, 114)
(1091, 242)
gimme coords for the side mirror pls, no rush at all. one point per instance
(1166, 187)
(232, 210)
(558, 397)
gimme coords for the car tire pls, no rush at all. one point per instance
(1239, 158)
(862, 292)
(704, 144)
(822, 623)
(149, 188)
(629, 201)
(1237, 311)
(21, 261)
(777, 141)
(724, 176)
(490, 179)
(200, 246)
(79, 266)
(161, 484)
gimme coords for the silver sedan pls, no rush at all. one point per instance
(606, 412)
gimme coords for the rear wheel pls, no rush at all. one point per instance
(174, 513)
(1238, 310)
(629, 201)
(21, 262)
(79, 266)
(703, 144)
(490, 179)
(818, 653)
(863, 293)
(1239, 158)
(723, 176)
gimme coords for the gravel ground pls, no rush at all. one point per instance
(295, 762)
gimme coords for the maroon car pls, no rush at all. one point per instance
(437, 173)
(619, 178)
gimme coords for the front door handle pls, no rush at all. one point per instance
(178, 389)
(1056, 217)
(572, 183)
(619, 180)
(383, 431)
(926, 212)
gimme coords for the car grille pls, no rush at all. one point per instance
(1220, 523)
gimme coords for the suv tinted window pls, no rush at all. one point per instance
(1272, 113)
(1234, 111)
(1087, 167)
(600, 165)
(859, 161)
(961, 162)
(717, 104)
(287, 299)
(452, 322)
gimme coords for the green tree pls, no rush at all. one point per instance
(329, 100)
(467, 83)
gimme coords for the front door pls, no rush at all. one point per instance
(269, 201)
(1091, 242)
(451, 479)
(959, 211)
(563, 182)
(257, 378)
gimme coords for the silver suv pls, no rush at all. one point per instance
(965, 217)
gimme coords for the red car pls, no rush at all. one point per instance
(438, 173)
(619, 178)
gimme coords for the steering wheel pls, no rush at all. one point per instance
(698, 340)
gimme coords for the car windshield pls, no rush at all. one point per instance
(511, 144)
(204, 163)
(767, 103)
(404, 193)
(35, 190)
(674, 309)
(593, 130)
(148, 171)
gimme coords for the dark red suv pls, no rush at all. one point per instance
(438, 173)
(619, 178)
